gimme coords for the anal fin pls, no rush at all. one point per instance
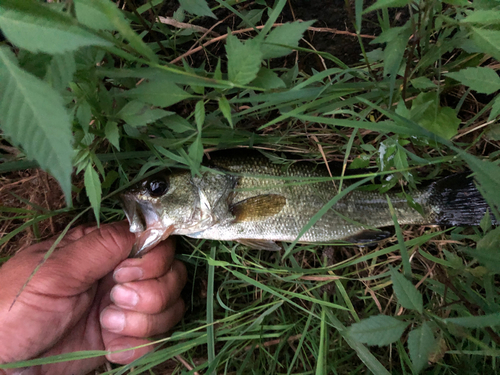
(368, 236)
(259, 244)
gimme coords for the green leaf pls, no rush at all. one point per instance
(243, 60)
(423, 83)
(199, 114)
(384, 4)
(197, 7)
(178, 124)
(441, 121)
(195, 153)
(93, 190)
(33, 116)
(88, 13)
(267, 79)
(421, 343)
(136, 113)
(112, 134)
(482, 16)
(487, 251)
(488, 41)
(377, 330)
(61, 70)
(159, 92)
(408, 296)
(225, 108)
(495, 109)
(49, 35)
(289, 34)
(490, 320)
(481, 79)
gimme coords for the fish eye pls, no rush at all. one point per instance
(157, 187)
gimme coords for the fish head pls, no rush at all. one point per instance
(163, 204)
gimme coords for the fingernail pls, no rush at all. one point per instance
(113, 319)
(123, 296)
(120, 356)
(125, 274)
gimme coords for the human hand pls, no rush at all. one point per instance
(88, 296)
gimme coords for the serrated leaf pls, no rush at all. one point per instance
(288, 34)
(89, 14)
(243, 60)
(158, 92)
(33, 116)
(408, 296)
(495, 109)
(199, 114)
(93, 190)
(267, 79)
(178, 124)
(377, 330)
(137, 113)
(442, 121)
(60, 71)
(421, 343)
(197, 7)
(481, 79)
(482, 16)
(49, 35)
(383, 4)
(423, 83)
(112, 134)
(225, 108)
(195, 153)
(84, 116)
(488, 41)
(487, 251)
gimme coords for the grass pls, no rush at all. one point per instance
(426, 300)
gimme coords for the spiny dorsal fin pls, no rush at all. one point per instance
(259, 244)
(257, 208)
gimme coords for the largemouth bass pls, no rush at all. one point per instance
(245, 197)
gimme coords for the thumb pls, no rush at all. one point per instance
(94, 255)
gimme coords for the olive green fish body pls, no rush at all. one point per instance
(248, 198)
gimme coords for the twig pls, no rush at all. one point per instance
(182, 25)
(186, 364)
(274, 342)
(236, 32)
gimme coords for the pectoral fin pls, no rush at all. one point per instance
(257, 208)
(369, 235)
(259, 244)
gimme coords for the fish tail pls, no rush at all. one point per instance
(455, 200)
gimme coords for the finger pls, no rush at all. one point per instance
(135, 324)
(153, 264)
(94, 255)
(123, 342)
(153, 295)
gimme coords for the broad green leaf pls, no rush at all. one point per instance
(112, 134)
(159, 92)
(490, 320)
(421, 343)
(423, 83)
(484, 17)
(49, 35)
(84, 115)
(488, 41)
(487, 251)
(89, 14)
(377, 330)
(289, 34)
(137, 113)
(93, 190)
(197, 7)
(61, 70)
(178, 124)
(243, 60)
(383, 4)
(225, 108)
(393, 56)
(195, 153)
(33, 116)
(199, 114)
(481, 79)
(441, 121)
(267, 79)
(495, 109)
(408, 296)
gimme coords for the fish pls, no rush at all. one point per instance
(245, 196)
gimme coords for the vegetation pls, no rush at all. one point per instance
(92, 91)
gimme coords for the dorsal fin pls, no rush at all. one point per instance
(257, 208)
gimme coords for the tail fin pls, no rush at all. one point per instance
(456, 200)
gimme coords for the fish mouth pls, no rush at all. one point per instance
(145, 224)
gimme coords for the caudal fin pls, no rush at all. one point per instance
(456, 200)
